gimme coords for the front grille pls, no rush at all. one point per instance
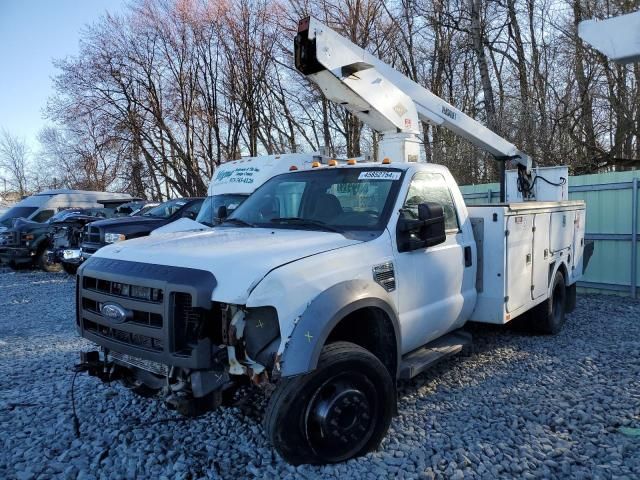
(384, 275)
(122, 336)
(8, 239)
(159, 313)
(123, 290)
(91, 235)
(140, 317)
(188, 322)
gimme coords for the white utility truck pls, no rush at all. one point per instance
(232, 182)
(328, 285)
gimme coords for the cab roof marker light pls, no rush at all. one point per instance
(351, 161)
(315, 164)
(293, 168)
(332, 163)
(386, 161)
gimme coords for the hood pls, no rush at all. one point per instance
(76, 220)
(181, 225)
(24, 225)
(130, 225)
(238, 257)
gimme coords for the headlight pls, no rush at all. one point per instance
(114, 237)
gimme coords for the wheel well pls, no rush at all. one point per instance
(371, 328)
(561, 268)
(42, 244)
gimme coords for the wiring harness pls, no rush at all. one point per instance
(525, 187)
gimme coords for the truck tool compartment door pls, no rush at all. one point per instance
(540, 277)
(519, 260)
(429, 280)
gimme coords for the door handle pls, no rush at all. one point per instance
(468, 260)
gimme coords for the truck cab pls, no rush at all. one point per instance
(327, 284)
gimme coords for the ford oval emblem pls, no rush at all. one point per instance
(114, 312)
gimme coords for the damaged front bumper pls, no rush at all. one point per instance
(71, 256)
(157, 326)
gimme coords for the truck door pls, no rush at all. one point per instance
(431, 280)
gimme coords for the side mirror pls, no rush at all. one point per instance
(424, 232)
(432, 214)
(222, 213)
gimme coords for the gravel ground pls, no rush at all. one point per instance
(516, 406)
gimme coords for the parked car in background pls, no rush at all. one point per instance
(98, 234)
(131, 209)
(30, 243)
(66, 234)
(44, 205)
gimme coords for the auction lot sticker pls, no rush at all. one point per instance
(379, 175)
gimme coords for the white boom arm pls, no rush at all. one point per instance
(385, 99)
(617, 37)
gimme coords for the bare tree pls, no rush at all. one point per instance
(14, 159)
(163, 92)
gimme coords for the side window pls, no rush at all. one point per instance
(281, 200)
(431, 187)
(43, 216)
(288, 197)
(194, 208)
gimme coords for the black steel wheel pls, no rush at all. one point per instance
(45, 264)
(339, 411)
(340, 417)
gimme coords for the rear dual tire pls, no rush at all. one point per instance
(339, 411)
(549, 317)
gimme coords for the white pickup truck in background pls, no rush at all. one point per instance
(233, 181)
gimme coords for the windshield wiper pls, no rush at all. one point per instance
(305, 222)
(238, 222)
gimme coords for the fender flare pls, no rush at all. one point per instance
(302, 349)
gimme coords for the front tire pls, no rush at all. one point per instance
(339, 411)
(70, 268)
(44, 263)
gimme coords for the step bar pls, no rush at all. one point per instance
(423, 358)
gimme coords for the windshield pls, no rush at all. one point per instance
(144, 209)
(16, 212)
(209, 212)
(166, 209)
(62, 214)
(337, 199)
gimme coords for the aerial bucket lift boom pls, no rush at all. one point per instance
(388, 101)
(617, 37)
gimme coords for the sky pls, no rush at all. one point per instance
(32, 33)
